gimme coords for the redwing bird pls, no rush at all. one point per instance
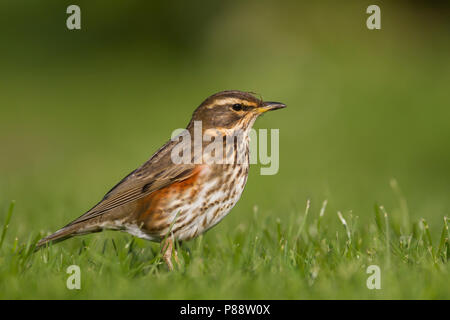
(179, 201)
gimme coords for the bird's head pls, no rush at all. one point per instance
(231, 110)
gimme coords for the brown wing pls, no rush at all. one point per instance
(153, 175)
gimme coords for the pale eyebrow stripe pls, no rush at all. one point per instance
(226, 101)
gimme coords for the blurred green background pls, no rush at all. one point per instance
(81, 109)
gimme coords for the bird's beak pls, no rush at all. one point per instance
(270, 105)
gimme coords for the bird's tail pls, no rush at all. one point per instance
(65, 233)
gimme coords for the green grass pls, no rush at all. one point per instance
(366, 128)
(262, 258)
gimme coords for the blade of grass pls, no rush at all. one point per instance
(321, 214)
(6, 225)
(115, 247)
(403, 205)
(347, 229)
(428, 237)
(278, 221)
(444, 237)
(302, 226)
(378, 218)
(388, 239)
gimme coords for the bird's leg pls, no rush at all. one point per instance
(175, 255)
(166, 251)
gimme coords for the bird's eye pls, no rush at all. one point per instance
(237, 107)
